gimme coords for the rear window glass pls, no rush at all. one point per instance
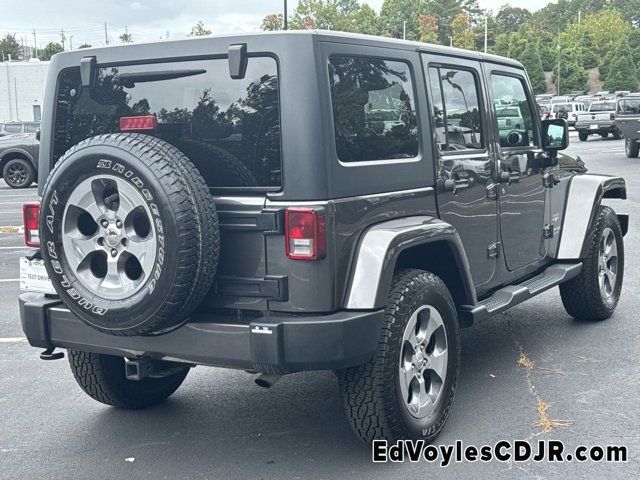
(13, 127)
(229, 128)
(373, 109)
(601, 107)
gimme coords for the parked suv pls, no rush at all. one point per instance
(568, 111)
(297, 201)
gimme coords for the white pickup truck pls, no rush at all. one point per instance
(600, 119)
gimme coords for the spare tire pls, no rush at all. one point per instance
(129, 234)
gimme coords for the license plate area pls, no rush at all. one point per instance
(593, 127)
(34, 277)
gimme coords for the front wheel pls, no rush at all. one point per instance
(632, 149)
(406, 391)
(103, 378)
(19, 173)
(594, 294)
(583, 136)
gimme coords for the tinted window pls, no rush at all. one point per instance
(229, 128)
(601, 107)
(373, 109)
(13, 127)
(629, 106)
(456, 109)
(30, 127)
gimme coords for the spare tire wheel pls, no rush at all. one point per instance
(129, 234)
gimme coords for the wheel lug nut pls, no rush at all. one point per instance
(104, 223)
(114, 252)
(119, 224)
(101, 241)
(124, 242)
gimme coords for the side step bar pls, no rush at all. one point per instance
(512, 295)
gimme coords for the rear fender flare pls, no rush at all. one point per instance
(379, 249)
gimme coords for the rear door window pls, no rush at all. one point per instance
(230, 128)
(456, 109)
(629, 106)
(13, 127)
(373, 106)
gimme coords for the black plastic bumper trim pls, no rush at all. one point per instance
(271, 287)
(270, 344)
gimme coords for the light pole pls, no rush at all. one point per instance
(404, 30)
(558, 78)
(286, 20)
(486, 32)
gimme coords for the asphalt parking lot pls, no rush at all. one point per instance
(219, 425)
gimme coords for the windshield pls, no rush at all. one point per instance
(508, 112)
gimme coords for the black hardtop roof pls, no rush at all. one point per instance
(321, 35)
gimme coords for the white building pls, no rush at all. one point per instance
(22, 90)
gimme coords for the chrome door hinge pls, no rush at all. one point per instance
(493, 250)
(547, 231)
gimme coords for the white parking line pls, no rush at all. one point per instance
(12, 339)
(14, 248)
(9, 280)
(11, 203)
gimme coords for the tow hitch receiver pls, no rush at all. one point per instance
(146, 367)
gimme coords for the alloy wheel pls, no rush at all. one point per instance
(423, 361)
(607, 263)
(109, 237)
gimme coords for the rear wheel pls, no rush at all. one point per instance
(103, 378)
(617, 135)
(604, 134)
(406, 391)
(594, 294)
(19, 173)
(632, 148)
(583, 136)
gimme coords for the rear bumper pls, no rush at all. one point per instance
(602, 127)
(270, 344)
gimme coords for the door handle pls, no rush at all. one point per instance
(508, 177)
(454, 185)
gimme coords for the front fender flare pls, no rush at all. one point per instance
(584, 197)
(379, 248)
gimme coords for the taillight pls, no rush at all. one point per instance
(30, 213)
(305, 233)
(612, 116)
(142, 122)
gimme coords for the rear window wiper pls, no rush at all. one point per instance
(130, 79)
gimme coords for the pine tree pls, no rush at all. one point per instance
(622, 74)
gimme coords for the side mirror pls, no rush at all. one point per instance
(555, 135)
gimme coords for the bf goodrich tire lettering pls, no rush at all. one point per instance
(129, 233)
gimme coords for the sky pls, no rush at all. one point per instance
(147, 20)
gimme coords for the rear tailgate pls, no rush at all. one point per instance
(241, 281)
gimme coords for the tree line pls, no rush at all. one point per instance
(567, 38)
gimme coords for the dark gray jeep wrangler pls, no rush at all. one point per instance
(301, 201)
